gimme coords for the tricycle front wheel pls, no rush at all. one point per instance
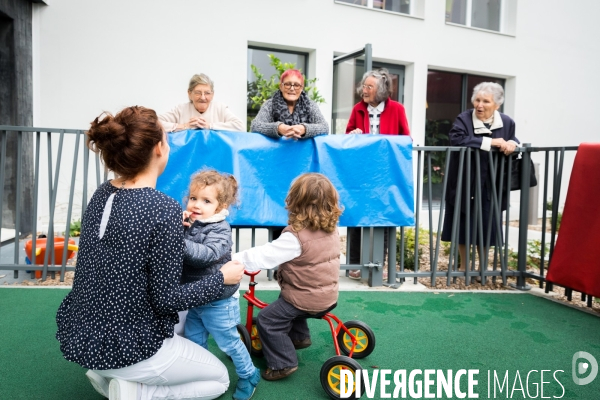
(365, 339)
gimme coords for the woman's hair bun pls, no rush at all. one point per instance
(106, 134)
(125, 140)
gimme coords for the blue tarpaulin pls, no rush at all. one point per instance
(372, 173)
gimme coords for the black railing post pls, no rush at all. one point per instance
(523, 219)
(391, 281)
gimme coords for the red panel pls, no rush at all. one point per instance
(576, 259)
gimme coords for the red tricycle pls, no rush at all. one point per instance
(354, 339)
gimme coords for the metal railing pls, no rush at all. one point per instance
(498, 195)
(50, 147)
(27, 164)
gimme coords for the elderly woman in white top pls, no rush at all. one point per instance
(201, 112)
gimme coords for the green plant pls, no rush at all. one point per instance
(549, 205)
(75, 228)
(262, 89)
(409, 246)
(534, 251)
(513, 260)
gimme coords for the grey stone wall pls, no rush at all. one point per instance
(16, 97)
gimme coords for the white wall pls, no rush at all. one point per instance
(97, 55)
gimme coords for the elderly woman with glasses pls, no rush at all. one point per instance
(377, 113)
(201, 112)
(290, 113)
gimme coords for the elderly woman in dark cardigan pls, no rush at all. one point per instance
(290, 113)
(482, 127)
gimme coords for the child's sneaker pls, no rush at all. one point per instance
(245, 387)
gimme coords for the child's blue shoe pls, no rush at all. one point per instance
(245, 387)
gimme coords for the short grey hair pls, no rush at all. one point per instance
(200, 79)
(489, 88)
(384, 84)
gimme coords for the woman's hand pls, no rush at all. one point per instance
(299, 131)
(186, 221)
(356, 131)
(510, 147)
(291, 132)
(505, 147)
(194, 123)
(232, 272)
(285, 130)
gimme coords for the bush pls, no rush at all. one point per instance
(534, 251)
(75, 228)
(409, 246)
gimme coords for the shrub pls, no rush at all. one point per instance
(534, 251)
(75, 228)
(409, 246)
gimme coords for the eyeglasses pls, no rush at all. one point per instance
(200, 94)
(368, 87)
(295, 86)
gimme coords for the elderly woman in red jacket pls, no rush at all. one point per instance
(377, 113)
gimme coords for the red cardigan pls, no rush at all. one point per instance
(392, 120)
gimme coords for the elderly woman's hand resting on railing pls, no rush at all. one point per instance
(506, 147)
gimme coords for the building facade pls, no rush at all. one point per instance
(102, 55)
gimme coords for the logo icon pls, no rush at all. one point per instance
(582, 368)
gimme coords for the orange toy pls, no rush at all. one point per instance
(40, 252)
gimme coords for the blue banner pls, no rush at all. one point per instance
(372, 173)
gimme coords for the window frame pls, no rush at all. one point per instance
(251, 114)
(414, 9)
(504, 27)
(304, 68)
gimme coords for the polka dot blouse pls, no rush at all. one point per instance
(126, 291)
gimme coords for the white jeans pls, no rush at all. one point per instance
(179, 370)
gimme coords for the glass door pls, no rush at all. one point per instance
(348, 70)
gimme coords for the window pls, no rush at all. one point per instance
(398, 6)
(448, 94)
(259, 57)
(483, 14)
